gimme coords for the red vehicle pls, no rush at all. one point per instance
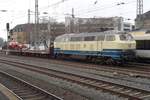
(16, 46)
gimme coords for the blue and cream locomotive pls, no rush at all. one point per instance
(110, 45)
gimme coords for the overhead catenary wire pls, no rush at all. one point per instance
(84, 12)
(80, 12)
(104, 8)
(101, 9)
(53, 5)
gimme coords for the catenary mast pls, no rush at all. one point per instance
(139, 13)
(36, 30)
(139, 7)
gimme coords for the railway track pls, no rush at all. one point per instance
(24, 90)
(113, 88)
(134, 69)
(131, 69)
(141, 66)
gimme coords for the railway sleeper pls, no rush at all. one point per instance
(21, 88)
(38, 98)
(104, 85)
(135, 93)
(88, 81)
(98, 83)
(110, 87)
(127, 91)
(92, 82)
(131, 92)
(139, 94)
(145, 96)
(26, 93)
(18, 89)
(31, 96)
(118, 89)
(42, 97)
(82, 79)
(20, 92)
(15, 88)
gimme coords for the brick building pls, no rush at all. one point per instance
(25, 33)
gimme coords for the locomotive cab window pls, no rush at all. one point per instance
(126, 37)
(110, 37)
(123, 37)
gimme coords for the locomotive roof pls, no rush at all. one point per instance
(142, 37)
(91, 34)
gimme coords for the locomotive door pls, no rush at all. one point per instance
(109, 42)
(100, 40)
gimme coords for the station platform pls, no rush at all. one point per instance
(6, 94)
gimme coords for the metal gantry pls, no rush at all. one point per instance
(139, 7)
(36, 31)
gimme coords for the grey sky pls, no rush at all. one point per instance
(17, 10)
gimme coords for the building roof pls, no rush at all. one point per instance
(146, 15)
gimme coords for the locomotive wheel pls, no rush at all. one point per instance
(110, 61)
(55, 56)
(120, 63)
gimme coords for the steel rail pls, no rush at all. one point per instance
(143, 73)
(121, 90)
(116, 70)
(25, 90)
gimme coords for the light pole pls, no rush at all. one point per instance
(7, 27)
(3, 10)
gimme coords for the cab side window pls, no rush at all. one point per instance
(123, 37)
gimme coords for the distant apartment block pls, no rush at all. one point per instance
(77, 25)
(143, 21)
(25, 33)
